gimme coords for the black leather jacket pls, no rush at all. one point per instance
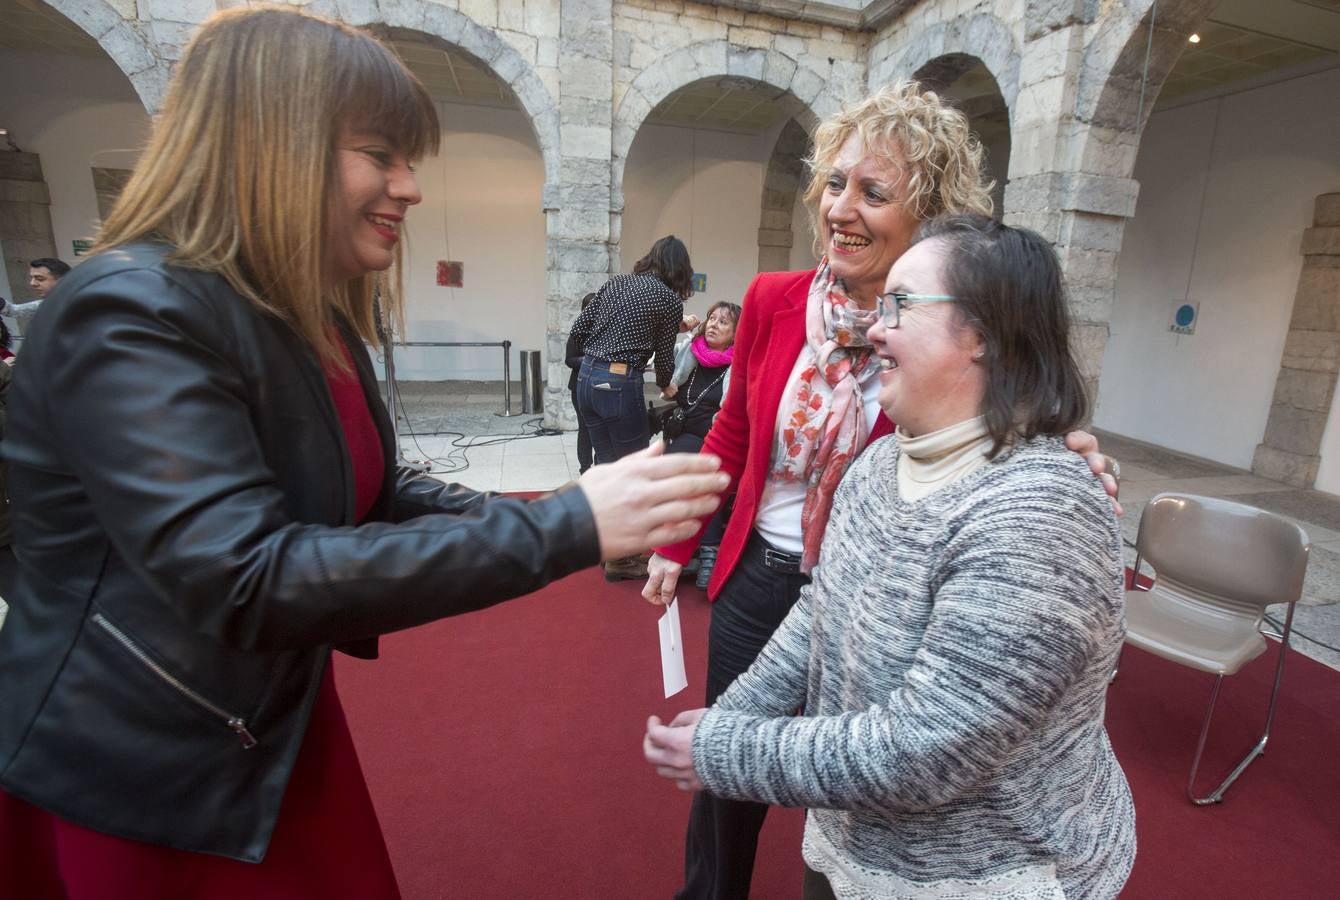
(182, 496)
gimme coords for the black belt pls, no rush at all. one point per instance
(780, 560)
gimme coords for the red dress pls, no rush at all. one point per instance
(327, 842)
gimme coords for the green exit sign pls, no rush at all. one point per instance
(82, 246)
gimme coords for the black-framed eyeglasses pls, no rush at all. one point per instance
(892, 304)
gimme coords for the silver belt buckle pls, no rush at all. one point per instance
(776, 559)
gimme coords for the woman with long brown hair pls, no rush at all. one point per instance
(207, 502)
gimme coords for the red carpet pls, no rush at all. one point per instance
(503, 753)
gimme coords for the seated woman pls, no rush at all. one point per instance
(953, 650)
(702, 374)
(702, 370)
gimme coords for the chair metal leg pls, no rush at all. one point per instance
(1259, 749)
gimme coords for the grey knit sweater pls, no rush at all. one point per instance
(952, 657)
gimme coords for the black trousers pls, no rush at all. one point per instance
(9, 570)
(585, 455)
(722, 837)
(816, 886)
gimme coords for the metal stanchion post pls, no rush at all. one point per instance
(527, 404)
(507, 380)
(532, 401)
(533, 376)
(388, 368)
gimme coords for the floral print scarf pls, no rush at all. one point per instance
(823, 423)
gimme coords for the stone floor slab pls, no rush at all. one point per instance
(1308, 506)
(1168, 462)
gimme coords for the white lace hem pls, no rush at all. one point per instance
(850, 880)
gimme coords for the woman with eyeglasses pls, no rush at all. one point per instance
(953, 651)
(803, 403)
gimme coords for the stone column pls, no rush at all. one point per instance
(582, 218)
(1291, 449)
(1081, 207)
(786, 170)
(25, 219)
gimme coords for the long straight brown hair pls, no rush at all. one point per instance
(240, 173)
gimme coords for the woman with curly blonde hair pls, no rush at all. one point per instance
(803, 401)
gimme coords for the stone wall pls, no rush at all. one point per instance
(25, 219)
(1291, 450)
(589, 72)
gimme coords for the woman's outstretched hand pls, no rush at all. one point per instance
(648, 499)
(670, 748)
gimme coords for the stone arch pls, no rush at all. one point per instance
(781, 183)
(1116, 89)
(944, 46)
(132, 52)
(495, 54)
(812, 94)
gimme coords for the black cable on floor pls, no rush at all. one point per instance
(459, 461)
(1296, 633)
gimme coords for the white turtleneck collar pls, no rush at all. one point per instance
(931, 461)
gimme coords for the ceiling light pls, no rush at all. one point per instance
(1194, 39)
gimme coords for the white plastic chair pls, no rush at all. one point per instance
(1218, 565)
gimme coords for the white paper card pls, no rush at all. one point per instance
(672, 651)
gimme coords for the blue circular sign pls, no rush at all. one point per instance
(1186, 314)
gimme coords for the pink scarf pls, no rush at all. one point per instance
(709, 358)
(823, 422)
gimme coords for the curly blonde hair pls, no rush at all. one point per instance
(916, 130)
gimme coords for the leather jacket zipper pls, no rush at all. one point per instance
(236, 723)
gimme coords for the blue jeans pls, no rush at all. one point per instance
(610, 404)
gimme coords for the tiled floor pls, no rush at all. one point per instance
(454, 426)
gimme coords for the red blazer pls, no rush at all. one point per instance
(767, 341)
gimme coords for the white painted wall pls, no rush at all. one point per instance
(705, 187)
(1226, 188)
(76, 112)
(481, 206)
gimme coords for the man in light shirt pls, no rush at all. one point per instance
(43, 275)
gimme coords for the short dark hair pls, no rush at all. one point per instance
(51, 264)
(668, 260)
(732, 308)
(1010, 290)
